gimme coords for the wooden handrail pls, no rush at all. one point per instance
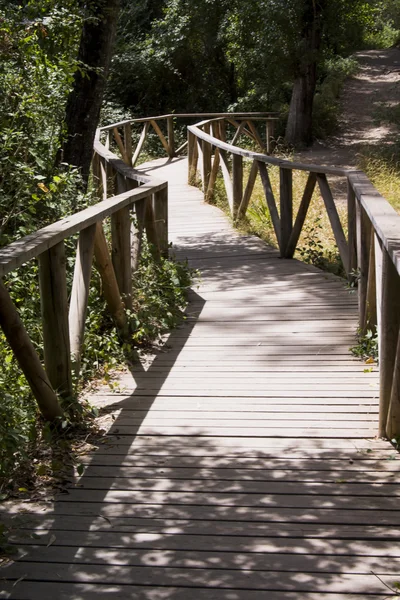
(121, 133)
(244, 115)
(278, 162)
(63, 322)
(370, 252)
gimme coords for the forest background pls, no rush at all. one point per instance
(169, 56)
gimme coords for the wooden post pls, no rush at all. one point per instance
(237, 183)
(128, 143)
(192, 158)
(393, 420)
(151, 231)
(390, 321)
(352, 231)
(269, 132)
(334, 219)
(301, 215)
(109, 280)
(141, 142)
(54, 302)
(121, 147)
(213, 176)
(286, 212)
(363, 256)
(378, 285)
(370, 312)
(207, 151)
(160, 212)
(137, 237)
(248, 190)
(121, 247)
(171, 137)
(80, 294)
(222, 130)
(27, 358)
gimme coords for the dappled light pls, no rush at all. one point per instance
(240, 457)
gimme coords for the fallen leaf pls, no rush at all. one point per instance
(52, 540)
(18, 580)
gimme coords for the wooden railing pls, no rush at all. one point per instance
(121, 135)
(370, 252)
(125, 193)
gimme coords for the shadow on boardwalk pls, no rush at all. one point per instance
(240, 464)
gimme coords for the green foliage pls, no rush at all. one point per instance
(314, 252)
(38, 43)
(36, 72)
(160, 289)
(367, 346)
(205, 56)
(333, 73)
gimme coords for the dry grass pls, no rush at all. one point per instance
(384, 172)
(316, 244)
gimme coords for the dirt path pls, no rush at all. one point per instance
(366, 98)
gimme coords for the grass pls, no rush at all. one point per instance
(382, 166)
(316, 244)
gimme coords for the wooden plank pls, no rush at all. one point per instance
(222, 145)
(30, 246)
(269, 134)
(27, 357)
(237, 184)
(109, 281)
(128, 143)
(160, 134)
(301, 215)
(160, 211)
(227, 177)
(248, 190)
(286, 208)
(171, 137)
(363, 228)
(121, 247)
(390, 323)
(385, 220)
(238, 133)
(269, 195)
(54, 308)
(256, 135)
(80, 294)
(209, 579)
(199, 154)
(334, 219)
(92, 591)
(213, 176)
(371, 319)
(206, 163)
(121, 147)
(137, 234)
(142, 140)
(352, 232)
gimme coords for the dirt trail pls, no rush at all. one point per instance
(365, 97)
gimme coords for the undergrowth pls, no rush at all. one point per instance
(316, 245)
(159, 301)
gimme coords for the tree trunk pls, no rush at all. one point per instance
(299, 124)
(84, 102)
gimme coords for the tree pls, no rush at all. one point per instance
(85, 99)
(299, 124)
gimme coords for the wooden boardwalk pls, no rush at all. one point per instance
(242, 463)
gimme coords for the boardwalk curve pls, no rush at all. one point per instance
(242, 462)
